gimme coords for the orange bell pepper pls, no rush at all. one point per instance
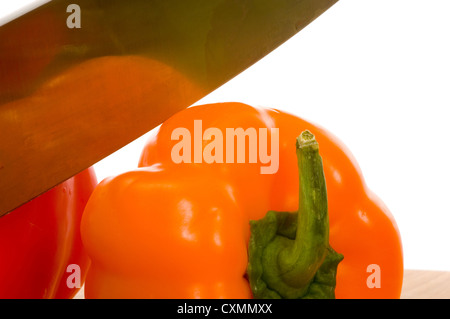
(180, 227)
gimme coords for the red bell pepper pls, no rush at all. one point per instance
(41, 238)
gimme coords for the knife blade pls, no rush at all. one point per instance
(79, 83)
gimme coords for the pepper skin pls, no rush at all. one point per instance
(169, 230)
(41, 238)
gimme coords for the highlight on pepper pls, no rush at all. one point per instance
(196, 229)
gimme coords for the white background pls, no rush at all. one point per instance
(376, 73)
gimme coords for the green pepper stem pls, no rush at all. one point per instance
(289, 253)
(298, 262)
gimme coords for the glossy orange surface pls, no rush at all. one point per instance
(171, 230)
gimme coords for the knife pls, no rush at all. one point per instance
(81, 79)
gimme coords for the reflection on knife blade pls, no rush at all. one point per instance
(71, 96)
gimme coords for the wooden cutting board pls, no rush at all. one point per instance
(426, 284)
(417, 284)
